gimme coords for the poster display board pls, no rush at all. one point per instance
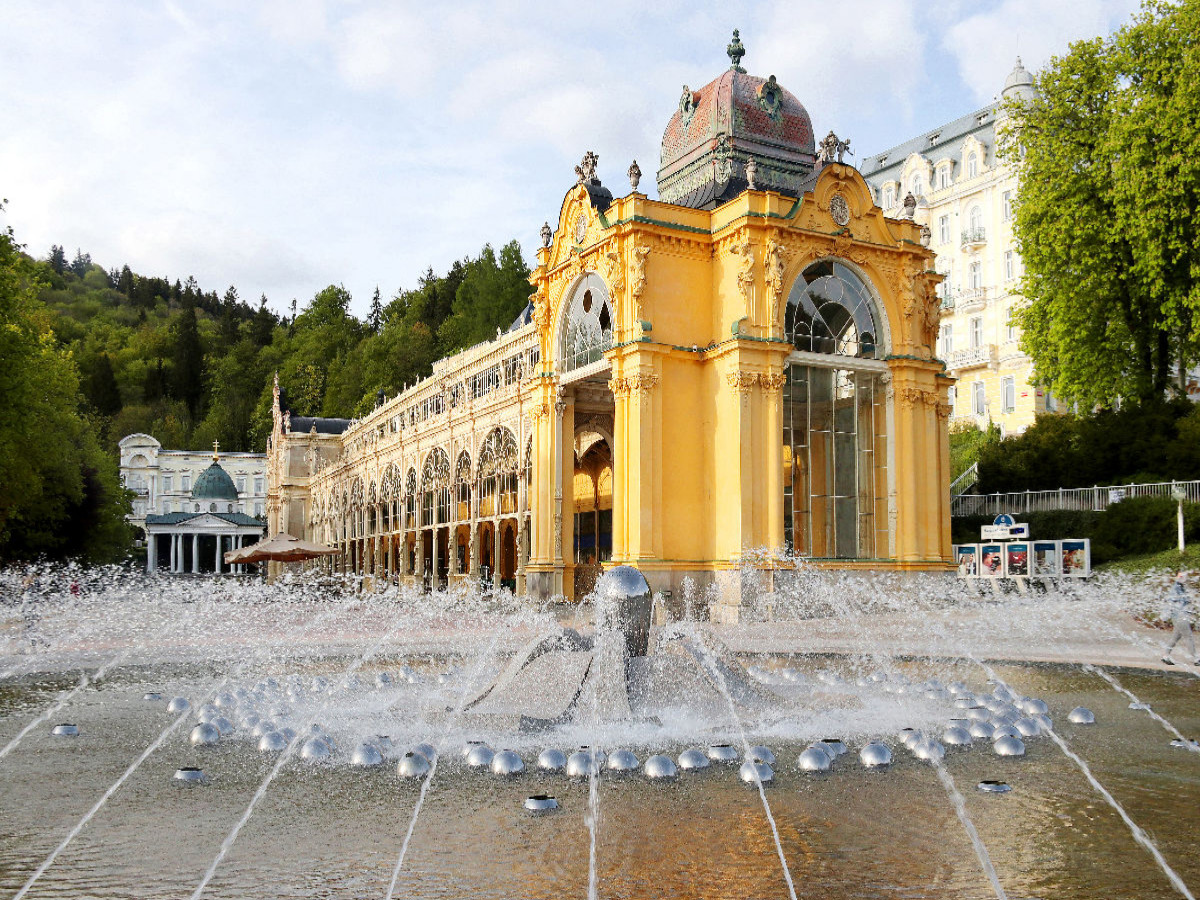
(1016, 559)
(967, 556)
(1047, 559)
(1076, 558)
(1025, 559)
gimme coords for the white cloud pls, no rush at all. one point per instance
(287, 144)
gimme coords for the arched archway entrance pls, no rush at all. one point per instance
(593, 507)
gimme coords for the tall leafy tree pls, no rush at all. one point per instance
(1108, 161)
(59, 493)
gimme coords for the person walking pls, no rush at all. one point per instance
(1179, 601)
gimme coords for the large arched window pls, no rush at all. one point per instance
(435, 487)
(976, 219)
(972, 165)
(830, 310)
(462, 486)
(499, 462)
(587, 328)
(835, 418)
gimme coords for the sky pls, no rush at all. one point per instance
(280, 146)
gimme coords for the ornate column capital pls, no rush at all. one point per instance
(742, 382)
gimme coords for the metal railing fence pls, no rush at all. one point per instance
(1081, 499)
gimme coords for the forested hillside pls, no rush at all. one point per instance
(111, 352)
(167, 358)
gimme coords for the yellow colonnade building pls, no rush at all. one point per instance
(737, 372)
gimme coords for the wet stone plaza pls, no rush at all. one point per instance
(860, 736)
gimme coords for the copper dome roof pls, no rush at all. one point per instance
(716, 130)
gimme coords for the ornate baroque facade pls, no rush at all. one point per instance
(964, 195)
(694, 383)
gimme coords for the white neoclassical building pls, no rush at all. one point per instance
(162, 480)
(964, 196)
(195, 540)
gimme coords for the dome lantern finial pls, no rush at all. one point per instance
(736, 51)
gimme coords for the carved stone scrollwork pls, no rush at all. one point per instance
(642, 383)
(911, 397)
(945, 410)
(773, 382)
(775, 263)
(619, 387)
(614, 273)
(742, 382)
(638, 280)
(745, 273)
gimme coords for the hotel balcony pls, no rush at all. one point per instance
(983, 355)
(974, 238)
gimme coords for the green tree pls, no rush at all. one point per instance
(1108, 162)
(492, 293)
(188, 369)
(101, 388)
(58, 259)
(375, 316)
(60, 494)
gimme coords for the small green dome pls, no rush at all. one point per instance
(214, 483)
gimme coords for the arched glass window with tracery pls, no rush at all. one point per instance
(830, 310)
(462, 486)
(528, 468)
(835, 419)
(435, 485)
(410, 499)
(499, 462)
(372, 508)
(587, 329)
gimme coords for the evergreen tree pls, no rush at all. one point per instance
(375, 316)
(188, 369)
(263, 326)
(58, 259)
(81, 263)
(125, 281)
(154, 384)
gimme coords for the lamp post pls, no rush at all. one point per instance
(1179, 494)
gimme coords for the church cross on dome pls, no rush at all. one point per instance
(736, 51)
(216, 447)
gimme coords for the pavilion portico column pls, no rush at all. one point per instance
(217, 561)
(195, 554)
(172, 555)
(150, 548)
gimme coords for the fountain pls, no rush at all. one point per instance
(592, 731)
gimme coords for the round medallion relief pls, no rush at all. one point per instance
(839, 209)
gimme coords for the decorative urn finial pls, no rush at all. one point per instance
(635, 174)
(736, 51)
(547, 234)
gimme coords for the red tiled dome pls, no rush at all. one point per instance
(735, 118)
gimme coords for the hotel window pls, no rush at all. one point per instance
(1011, 326)
(975, 275)
(947, 339)
(1051, 402)
(258, 510)
(917, 185)
(978, 399)
(952, 396)
(976, 332)
(835, 482)
(1007, 204)
(1010, 266)
(889, 197)
(185, 482)
(1008, 390)
(167, 482)
(943, 176)
(241, 484)
(258, 484)
(944, 229)
(972, 165)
